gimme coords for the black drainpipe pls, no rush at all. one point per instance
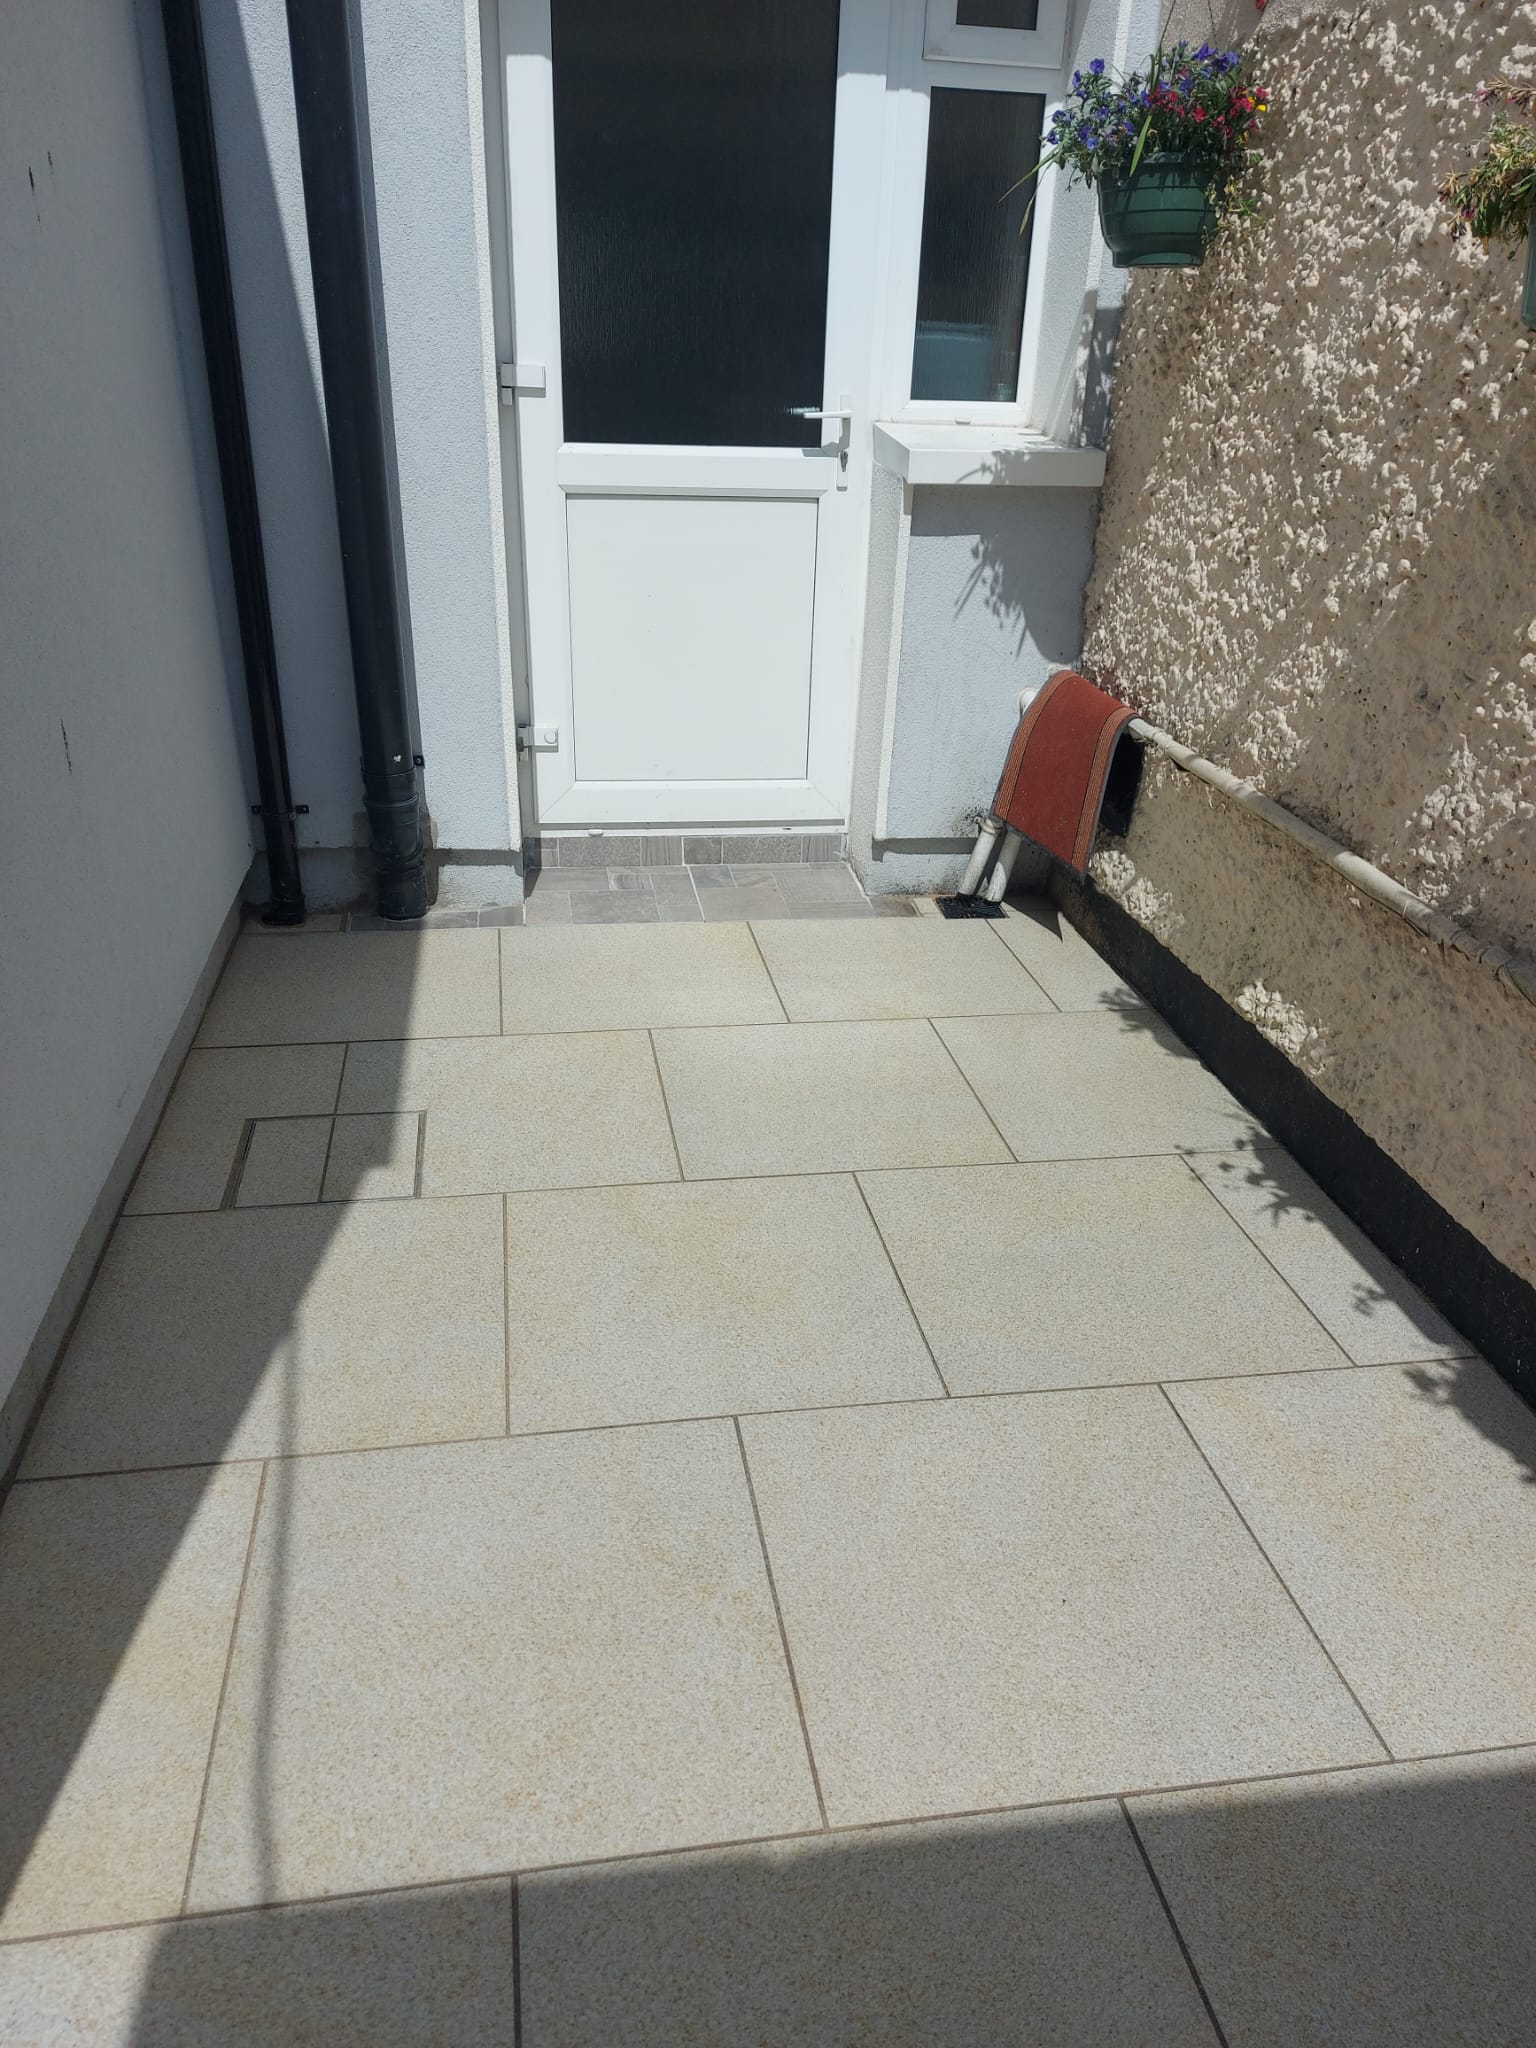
(226, 388)
(324, 42)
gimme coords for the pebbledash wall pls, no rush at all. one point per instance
(1314, 566)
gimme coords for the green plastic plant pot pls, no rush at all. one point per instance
(1528, 296)
(1159, 217)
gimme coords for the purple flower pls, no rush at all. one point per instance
(1097, 67)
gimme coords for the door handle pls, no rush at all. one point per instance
(843, 414)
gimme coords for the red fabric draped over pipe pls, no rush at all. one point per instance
(1052, 786)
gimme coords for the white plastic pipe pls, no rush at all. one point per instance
(997, 882)
(981, 853)
(1512, 969)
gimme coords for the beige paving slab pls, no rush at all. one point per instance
(193, 1152)
(579, 1109)
(117, 1597)
(407, 1970)
(609, 978)
(894, 967)
(1095, 1085)
(1086, 1272)
(1400, 1508)
(284, 1161)
(1013, 1932)
(373, 1158)
(1378, 1316)
(459, 1659)
(819, 1098)
(1393, 1908)
(1072, 974)
(640, 1304)
(259, 1331)
(1030, 1598)
(339, 985)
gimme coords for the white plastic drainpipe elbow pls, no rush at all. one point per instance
(981, 853)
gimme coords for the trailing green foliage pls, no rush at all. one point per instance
(1493, 199)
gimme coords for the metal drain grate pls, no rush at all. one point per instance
(967, 906)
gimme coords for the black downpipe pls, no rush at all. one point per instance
(232, 432)
(324, 42)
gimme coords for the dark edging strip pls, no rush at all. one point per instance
(1491, 1305)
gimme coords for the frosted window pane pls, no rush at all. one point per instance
(998, 14)
(974, 262)
(693, 200)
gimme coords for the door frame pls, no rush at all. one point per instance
(549, 470)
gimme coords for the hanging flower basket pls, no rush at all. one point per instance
(1159, 216)
(1168, 148)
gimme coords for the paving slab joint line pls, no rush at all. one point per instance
(901, 1283)
(330, 1140)
(789, 1662)
(506, 1312)
(1279, 1575)
(218, 1711)
(232, 1179)
(666, 1106)
(995, 927)
(510, 1873)
(517, 1963)
(1013, 1158)
(777, 994)
(1178, 1933)
(1264, 1255)
(436, 1443)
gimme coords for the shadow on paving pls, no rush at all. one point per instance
(86, 1549)
(1386, 1907)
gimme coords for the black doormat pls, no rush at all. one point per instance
(967, 906)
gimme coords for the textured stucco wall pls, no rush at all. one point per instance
(120, 776)
(1315, 565)
(425, 113)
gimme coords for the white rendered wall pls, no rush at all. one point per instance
(424, 105)
(120, 779)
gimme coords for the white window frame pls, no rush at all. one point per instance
(947, 41)
(913, 75)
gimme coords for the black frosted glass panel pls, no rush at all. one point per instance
(998, 14)
(693, 199)
(975, 261)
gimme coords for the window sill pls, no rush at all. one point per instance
(984, 454)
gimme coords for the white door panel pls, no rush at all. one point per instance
(691, 638)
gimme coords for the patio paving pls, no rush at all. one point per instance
(655, 1481)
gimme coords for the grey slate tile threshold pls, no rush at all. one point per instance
(757, 879)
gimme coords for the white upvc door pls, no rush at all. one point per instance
(704, 180)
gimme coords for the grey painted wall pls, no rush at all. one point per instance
(120, 772)
(994, 601)
(983, 586)
(425, 114)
